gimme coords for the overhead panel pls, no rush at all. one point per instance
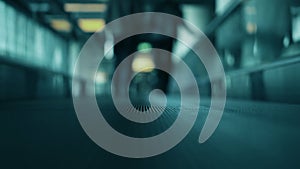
(91, 25)
(61, 25)
(85, 7)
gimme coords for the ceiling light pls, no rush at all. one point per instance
(91, 25)
(85, 7)
(61, 25)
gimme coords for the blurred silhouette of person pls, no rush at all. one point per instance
(119, 8)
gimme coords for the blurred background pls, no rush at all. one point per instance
(258, 42)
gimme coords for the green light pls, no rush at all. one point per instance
(144, 47)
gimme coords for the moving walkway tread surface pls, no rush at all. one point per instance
(47, 134)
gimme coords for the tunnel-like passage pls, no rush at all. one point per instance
(157, 77)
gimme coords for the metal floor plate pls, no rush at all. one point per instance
(47, 134)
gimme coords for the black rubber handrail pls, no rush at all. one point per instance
(267, 66)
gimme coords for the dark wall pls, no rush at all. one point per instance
(25, 83)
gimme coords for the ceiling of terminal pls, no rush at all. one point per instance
(76, 18)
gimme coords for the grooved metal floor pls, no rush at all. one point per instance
(47, 134)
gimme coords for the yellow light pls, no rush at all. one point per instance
(100, 78)
(91, 25)
(61, 25)
(251, 28)
(85, 7)
(143, 63)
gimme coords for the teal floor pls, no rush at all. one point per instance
(46, 134)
